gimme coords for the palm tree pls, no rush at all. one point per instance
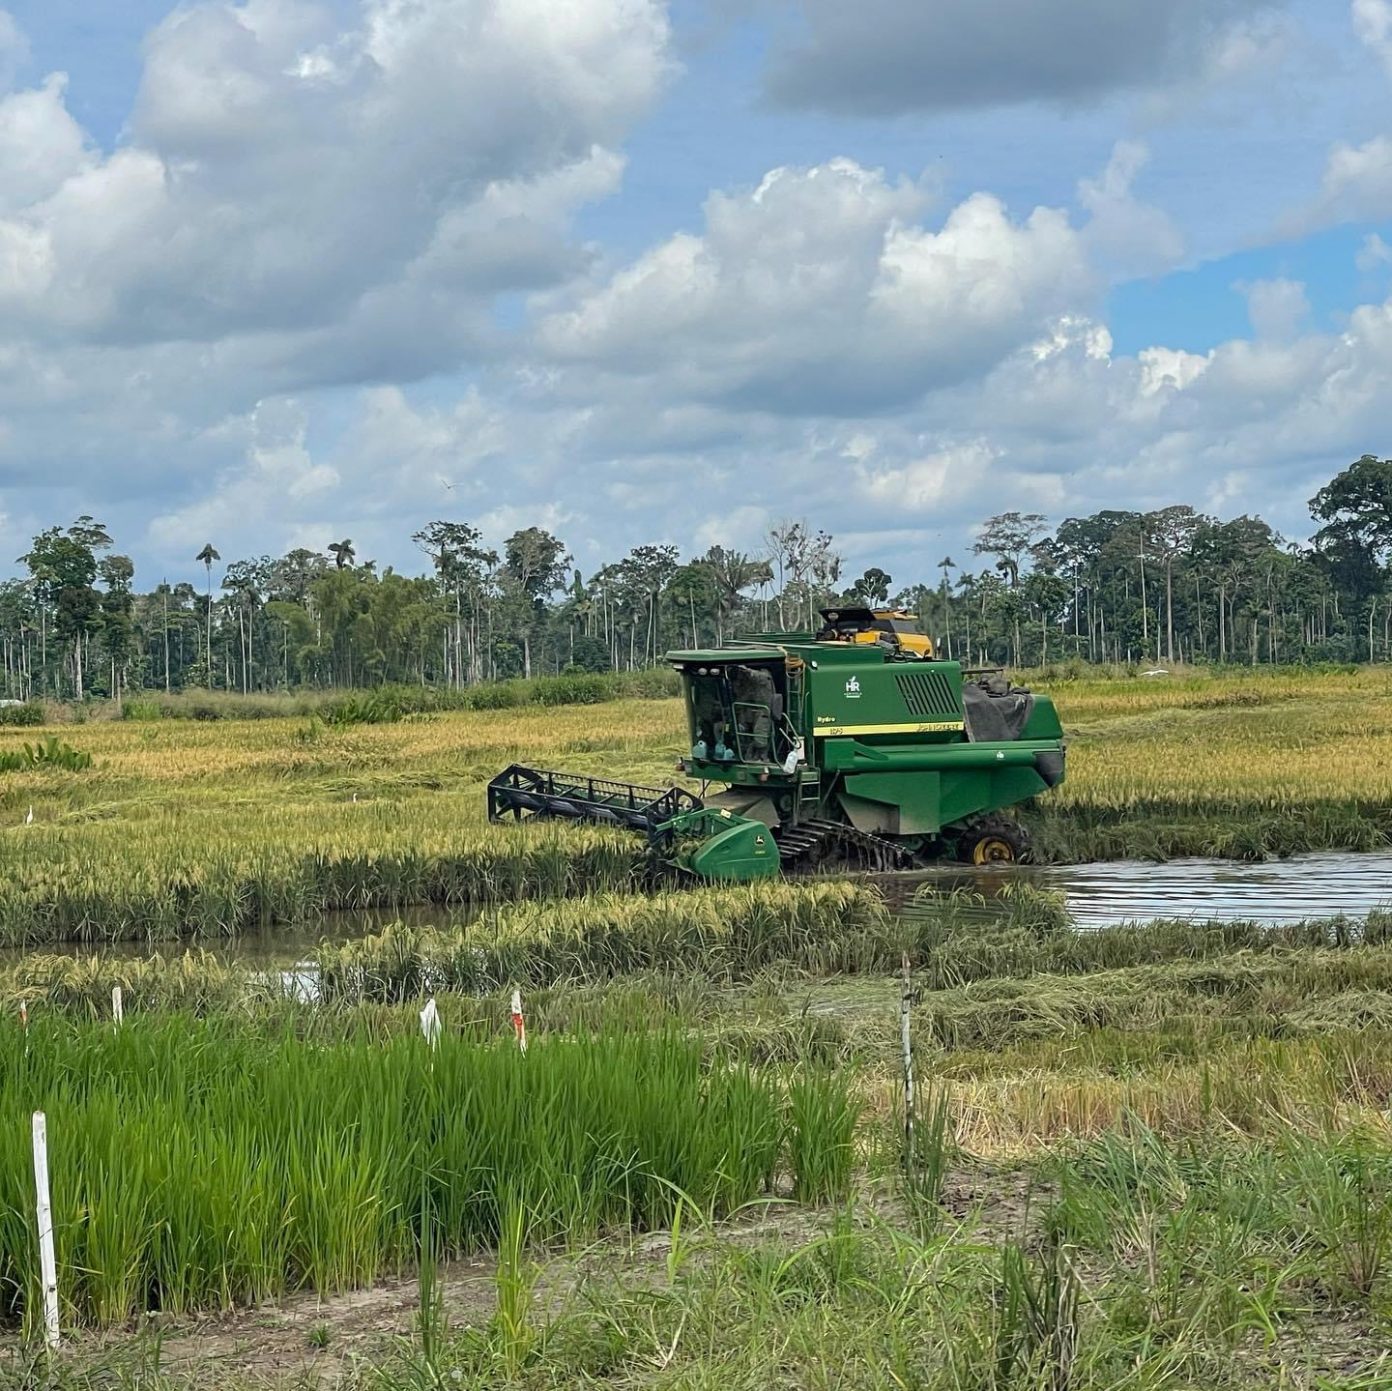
(207, 555)
(342, 552)
(946, 565)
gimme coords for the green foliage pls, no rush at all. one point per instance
(215, 1164)
(30, 713)
(48, 753)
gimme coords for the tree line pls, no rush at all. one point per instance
(1172, 585)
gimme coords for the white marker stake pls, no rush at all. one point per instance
(118, 1012)
(519, 1025)
(430, 1023)
(48, 1267)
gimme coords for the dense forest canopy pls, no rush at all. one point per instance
(1166, 586)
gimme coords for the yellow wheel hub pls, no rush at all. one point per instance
(993, 850)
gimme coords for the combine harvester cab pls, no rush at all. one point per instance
(823, 750)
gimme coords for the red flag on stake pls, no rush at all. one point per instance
(519, 1025)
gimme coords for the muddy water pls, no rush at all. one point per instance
(1107, 894)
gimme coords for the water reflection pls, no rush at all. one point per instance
(1104, 895)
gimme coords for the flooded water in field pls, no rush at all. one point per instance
(1106, 894)
(1097, 895)
(277, 946)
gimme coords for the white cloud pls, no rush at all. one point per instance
(1357, 187)
(280, 177)
(1372, 22)
(819, 292)
(927, 483)
(248, 318)
(1276, 308)
(1169, 368)
(1373, 253)
(292, 208)
(274, 487)
(1124, 235)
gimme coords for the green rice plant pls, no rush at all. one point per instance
(1036, 1329)
(515, 1280)
(212, 1164)
(822, 1118)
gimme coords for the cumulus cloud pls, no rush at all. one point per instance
(279, 175)
(885, 57)
(1358, 181)
(819, 291)
(294, 206)
(269, 315)
(1127, 236)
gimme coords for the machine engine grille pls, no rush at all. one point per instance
(928, 693)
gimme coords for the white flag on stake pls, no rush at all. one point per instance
(430, 1023)
(519, 1025)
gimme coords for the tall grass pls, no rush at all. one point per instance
(211, 1165)
(720, 933)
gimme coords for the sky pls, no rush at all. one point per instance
(279, 272)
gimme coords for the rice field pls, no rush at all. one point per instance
(1155, 1157)
(188, 828)
(213, 1164)
(1151, 1157)
(1238, 765)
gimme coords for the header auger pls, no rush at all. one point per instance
(826, 748)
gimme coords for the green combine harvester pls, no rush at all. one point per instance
(827, 750)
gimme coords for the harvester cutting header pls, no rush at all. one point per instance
(852, 745)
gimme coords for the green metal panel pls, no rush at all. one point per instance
(871, 699)
(742, 851)
(912, 800)
(1043, 722)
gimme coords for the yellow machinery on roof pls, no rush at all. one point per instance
(896, 628)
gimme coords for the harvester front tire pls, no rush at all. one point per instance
(993, 843)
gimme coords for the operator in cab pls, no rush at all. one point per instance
(755, 695)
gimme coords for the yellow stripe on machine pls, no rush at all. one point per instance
(936, 727)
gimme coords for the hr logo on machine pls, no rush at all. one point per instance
(853, 689)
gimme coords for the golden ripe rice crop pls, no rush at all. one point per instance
(187, 828)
